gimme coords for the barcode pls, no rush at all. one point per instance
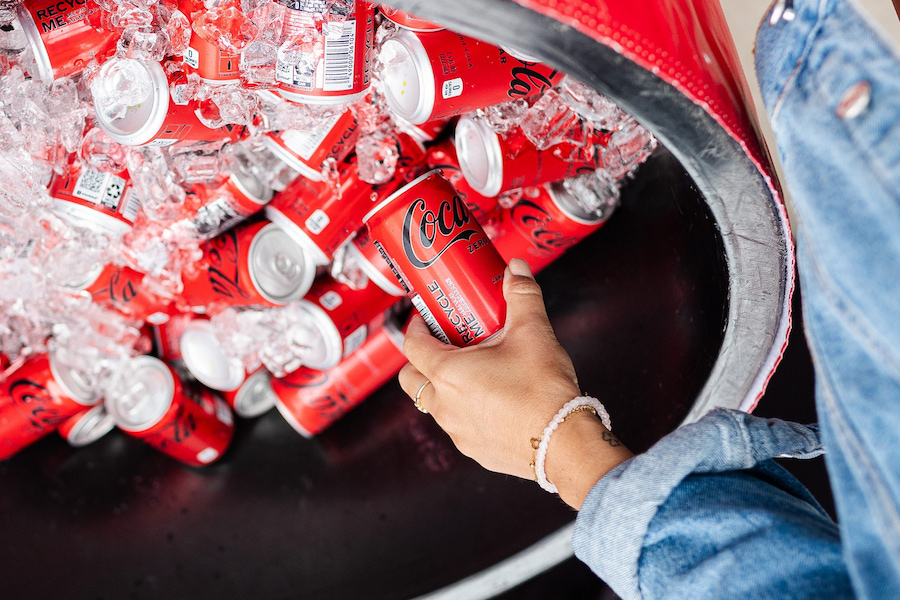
(90, 185)
(132, 205)
(429, 319)
(339, 55)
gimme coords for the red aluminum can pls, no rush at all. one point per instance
(435, 75)
(342, 72)
(542, 225)
(443, 156)
(306, 151)
(35, 399)
(87, 426)
(364, 253)
(311, 401)
(158, 120)
(100, 201)
(443, 259)
(121, 288)
(204, 58)
(339, 318)
(215, 211)
(408, 21)
(255, 264)
(254, 397)
(192, 425)
(62, 37)
(167, 338)
(206, 361)
(423, 133)
(493, 163)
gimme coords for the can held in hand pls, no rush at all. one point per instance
(408, 21)
(155, 120)
(306, 151)
(87, 426)
(493, 163)
(192, 425)
(339, 318)
(63, 37)
(311, 401)
(328, 58)
(37, 398)
(102, 202)
(542, 225)
(254, 397)
(443, 260)
(254, 264)
(429, 76)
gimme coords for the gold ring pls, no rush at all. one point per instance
(418, 399)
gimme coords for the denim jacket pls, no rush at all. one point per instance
(706, 513)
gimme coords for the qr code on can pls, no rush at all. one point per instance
(90, 186)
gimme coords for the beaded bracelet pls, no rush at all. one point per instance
(540, 444)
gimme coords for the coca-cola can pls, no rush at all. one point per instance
(336, 66)
(87, 426)
(121, 288)
(191, 425)
(306, 150)
(253, 264)
(542, 225)
(97, 200)
(205, 58)
(493, 163)
(443, 259)
(319, 217)
(254, 397)
(429, 76)
(311, 401)
(363, 251)
(424, 133)
(63, 37)
(408, 21)
(167, 339)
(36, 398)
(206, 360)
(157, 120)
(241, 196)
(338, 319)
(443, 156)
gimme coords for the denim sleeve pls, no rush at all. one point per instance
(706, 514)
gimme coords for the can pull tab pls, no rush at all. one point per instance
(783, 11)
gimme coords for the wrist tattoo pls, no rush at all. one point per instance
(610, 439)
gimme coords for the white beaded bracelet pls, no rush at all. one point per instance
(542, 443)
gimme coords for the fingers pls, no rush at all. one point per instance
(412, 382)
(524, 299)
(421, 348)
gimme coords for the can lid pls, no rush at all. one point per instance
(82, 283)
(300, 98)
(518, 54)
(149, 394)
(297, 234)
(324, 343)
(250, 185)
(389, 199)
(142, 121)
(204, 358)
(568, 204)
(29, 28)
(72, 382)
(90, 427)
(408, 77)
(255, 396)
(480, 156)
(280, 269)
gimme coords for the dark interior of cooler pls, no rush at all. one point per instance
(381, 505)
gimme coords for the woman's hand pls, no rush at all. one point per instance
(492, 398)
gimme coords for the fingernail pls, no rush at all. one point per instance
(517, 266)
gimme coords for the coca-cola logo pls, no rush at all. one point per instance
(328, 401)
(527, 80)
(35, 403)
(120, 290)
(538, 226)
(434, 232)
(222, 270)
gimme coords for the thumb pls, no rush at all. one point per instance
(524, 299)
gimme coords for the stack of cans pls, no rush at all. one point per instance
(347, 254)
